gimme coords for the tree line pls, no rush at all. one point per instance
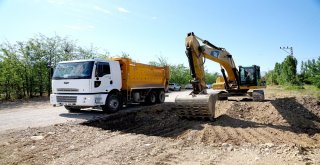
(181, 74)
(26, 67)
(285, 73)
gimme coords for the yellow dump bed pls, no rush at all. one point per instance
(140, 76)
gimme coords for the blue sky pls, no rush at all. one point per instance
(252, 31)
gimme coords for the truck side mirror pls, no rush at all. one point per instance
(51, 72)
(97, 71)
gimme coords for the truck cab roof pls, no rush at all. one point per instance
(95, 59)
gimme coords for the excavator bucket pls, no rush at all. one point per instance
(201, 106)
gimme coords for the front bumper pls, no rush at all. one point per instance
(85, 100)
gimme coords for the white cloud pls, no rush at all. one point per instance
(123, 10)
(79, 27)
(98, 8)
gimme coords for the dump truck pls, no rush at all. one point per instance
(107, 84)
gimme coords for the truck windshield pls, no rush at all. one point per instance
(74, 70)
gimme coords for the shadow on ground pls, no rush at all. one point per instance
(300, 118)
(84, 114)
(95, 114)
(157, 120)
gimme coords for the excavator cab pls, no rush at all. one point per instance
(249, 76)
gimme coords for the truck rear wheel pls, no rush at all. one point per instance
(72, 109)
(113, 104)
(151, 98)
(161, 96)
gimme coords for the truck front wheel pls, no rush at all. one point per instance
(113, 104)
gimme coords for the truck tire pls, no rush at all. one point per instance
(72, 109)
(113, 104)
(161, 96)
(151, 98)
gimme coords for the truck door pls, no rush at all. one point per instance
(102, 82)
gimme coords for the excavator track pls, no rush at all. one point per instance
(200, 107)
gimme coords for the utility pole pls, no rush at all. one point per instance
(286, 50)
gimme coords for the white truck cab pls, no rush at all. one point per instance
(84, 83)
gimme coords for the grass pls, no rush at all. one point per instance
(293, 87)
(306, 90)
(312, 90)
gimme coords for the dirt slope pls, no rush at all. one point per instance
(281, 130)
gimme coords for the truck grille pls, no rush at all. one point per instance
(67, 99)
(67, 89)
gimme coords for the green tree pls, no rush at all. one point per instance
(310, 72)
(276, 77)
(124, 55)
(25, 66)
(289, 71)
(161, 62)
(284, 73)
(11, 73)
(179, 74)
(105, 55)
(210, 78)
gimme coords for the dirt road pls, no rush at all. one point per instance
(39, 113)
(285, 129)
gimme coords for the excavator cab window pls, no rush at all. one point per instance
(248, 75)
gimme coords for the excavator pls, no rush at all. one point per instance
(233, 82)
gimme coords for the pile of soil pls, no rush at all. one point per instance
(279, 130)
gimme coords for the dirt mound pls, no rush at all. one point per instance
(279, 121)
(158, 120)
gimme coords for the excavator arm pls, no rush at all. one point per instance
(197, 54)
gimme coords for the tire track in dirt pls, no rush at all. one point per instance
(263, 137)
(239, 136)
(234, 134)
(247, 137)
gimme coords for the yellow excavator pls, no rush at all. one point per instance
(199, 103)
